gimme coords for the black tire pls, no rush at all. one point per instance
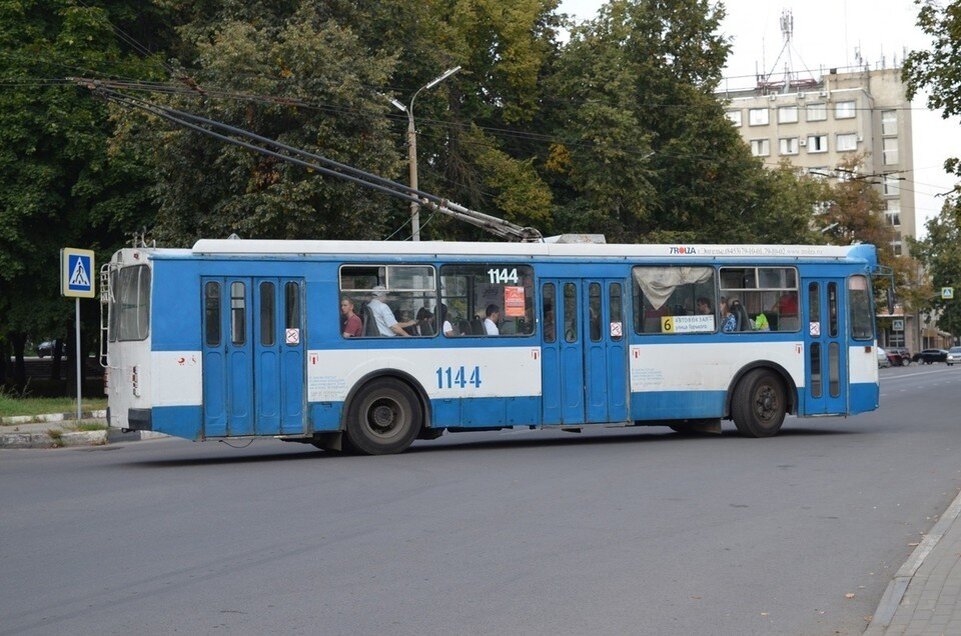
(385, 417)
(759, 404)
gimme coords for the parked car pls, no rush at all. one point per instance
(46, 348)
(883, 360)
(929, 356)
(903, 355)
(954, 356)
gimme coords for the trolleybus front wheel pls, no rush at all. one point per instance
(759, 404)
(384, 418)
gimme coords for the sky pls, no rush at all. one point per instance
(829, 34)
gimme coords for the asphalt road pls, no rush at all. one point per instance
(611, 531)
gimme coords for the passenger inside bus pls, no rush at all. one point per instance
(704, 306)
(383, 317)
(492, 315)
(728, 319)
(350, 323)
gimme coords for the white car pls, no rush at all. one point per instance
(883, 360)
(954, 355)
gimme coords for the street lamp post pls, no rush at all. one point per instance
(412, 146)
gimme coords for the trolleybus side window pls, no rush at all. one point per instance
(616, 312)
(292, 307)
(238, 313)
(267, 328)
(666, 300)
(550, 303)
(212, 309)
(383, 295)
(570, 312)
(132, 303)
(814, 317)
(768, 297)
(499, 293)
(859, 299)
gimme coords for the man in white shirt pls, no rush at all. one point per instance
(490, 322)
(387, 325)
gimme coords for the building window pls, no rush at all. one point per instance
(896, 247)
(757, 117)
(889, 122)
(817, 112)
(890, 185)
(847, 141)
(787, 114)
(889, 150)
(820, 172)
(844, 110)
(789, 145)
(892, 212)
(760, 147)
(734, 116)
(817, 143)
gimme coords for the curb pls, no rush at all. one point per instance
(51, 417)
(894, 592)
(45, 440)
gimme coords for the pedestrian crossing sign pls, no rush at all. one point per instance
(77, 273)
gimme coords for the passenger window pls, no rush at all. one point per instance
(267, 326)
(489, 299)
(212, 314)
(292, 311)
(389, 300)
(674, 300)
(764, 298)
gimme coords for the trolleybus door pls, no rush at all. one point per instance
(278, 356)
(584, 353)
(825, 335)
(253, 356)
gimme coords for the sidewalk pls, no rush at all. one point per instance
(58, 430)
(924, 598)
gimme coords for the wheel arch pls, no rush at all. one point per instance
(789, 384)
(397, 374)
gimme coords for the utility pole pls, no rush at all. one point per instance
(412, 146)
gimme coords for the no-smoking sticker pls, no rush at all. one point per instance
(293, 336)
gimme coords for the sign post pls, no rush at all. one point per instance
(77, 281)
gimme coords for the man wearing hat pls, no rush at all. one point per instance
(387, 324)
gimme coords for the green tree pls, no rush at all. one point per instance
(647, 153)
(61, 182)
(937, 69)
(940, 253)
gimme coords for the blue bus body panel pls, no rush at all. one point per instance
(179, 421)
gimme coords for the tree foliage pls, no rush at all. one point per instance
(940, 253)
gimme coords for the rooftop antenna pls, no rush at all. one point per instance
(787, 33)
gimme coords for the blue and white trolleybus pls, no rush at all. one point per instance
(371, 345)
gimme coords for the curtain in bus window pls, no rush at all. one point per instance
(859, 299)
(658, 283)
(133, 303)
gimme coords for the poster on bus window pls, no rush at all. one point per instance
(514, 302)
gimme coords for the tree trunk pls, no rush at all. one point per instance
(4, 362)
(56, 366)
(19, 341)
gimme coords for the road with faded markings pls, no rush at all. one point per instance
(611, 531)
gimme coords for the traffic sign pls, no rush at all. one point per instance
(947, 293)
(897, 325)
(77, 273)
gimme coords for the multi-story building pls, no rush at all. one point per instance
(817, 124)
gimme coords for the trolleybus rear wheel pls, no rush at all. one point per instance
(384, 418)
(759, 404)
